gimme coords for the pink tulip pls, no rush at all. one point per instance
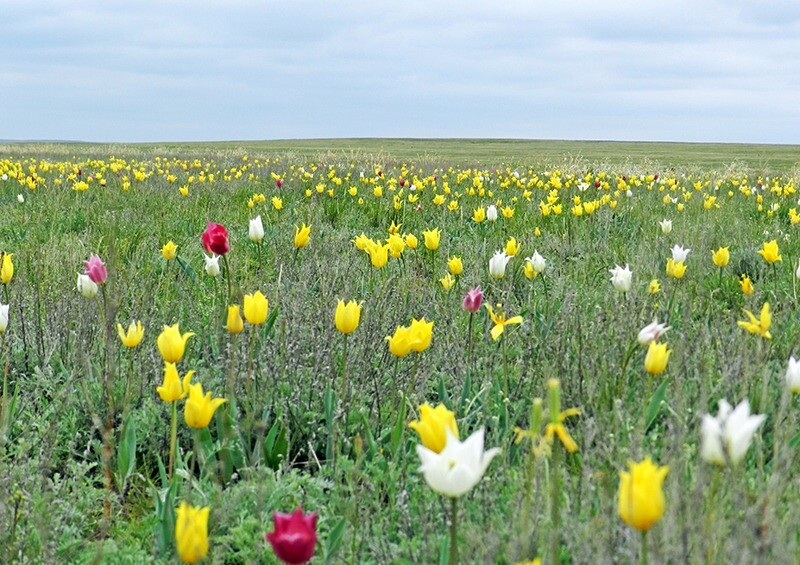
(473, 300)
(96, 269)
(294, 536)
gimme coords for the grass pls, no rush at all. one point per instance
(272, 446)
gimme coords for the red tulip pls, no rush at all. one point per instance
(96, 269)
(215, 239)
(294, 537)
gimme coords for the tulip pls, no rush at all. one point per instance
(411, 241)
(432, 238)
(256, 232)
(491, 213)
(378, 254)
(191, 532)
(171, 344)
(508, 212)
(400, 342)
(4, 308)
(172, 388)
(654, 287)
(455, 266)
(727, 437)
(472, 301)
(86, 287)
(212, 265)
(500, 321)
(256, 307)
(512, 247)
(759, 326)
(421, 334)
(184, 190)
(497, 264)
(478, 215)
(96, 269)
(347, 316)
(432, 426)
(447, 282)
(6, 268)
(747, 286)
(621, 278)
(301, 236)
(361, 242)
(721, 257)
(458, 467)
(675, 269)
(770, 252)
(294, 536)
(792, 371)
(199, 408)
(656, 359)
(133, 336)
(528, 270)
(234, 323)
(538, 262)
(652, 332)
(168, 250)
(797, 271)
(20, 199)
(679, 254)
(641, 494)
(396, 245)
(215, 239)
(666, 226)
(394, 228)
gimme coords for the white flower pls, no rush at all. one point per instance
(212, 265)
(666, 226)
(537, 261)
(3, 317)
(256, 229)
(4, 177)
(87, 287)
(20, 199)
(679, 254)
(629, 193)
(652, 332)
(728, 436)
(621, 278)
(497, 264)
(793, 375)
(491, 213)
(797, 271)
(458, 467)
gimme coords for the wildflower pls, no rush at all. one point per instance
(256, 307)
(792, 373)
(721, 257)
(212, 265)
(411, 241)
(133, 336)
(478, 215)
(679, 254)
(396, 245)
(256, 231)
(378, 254)
(96, 269)
(171, 344)
(472, 301)
(400, 341)
(4, 308)
(747, 286)
(458, 467)
(500, 321)
(191, 532)
(215, 239)
(727, 437)
(621, 278)
(277, 203)
(432, 238)
(641, 495)
(675, 269)
(347, 316)
(169, 250)
(759, 325)
(447, 282)
(6, 268)
(512, 247)
(654, 287)
(234, 323)
(86, 287)
(656, 359)
(199, 408)
(491, 213)
(497, 264)
(421, 334)
(770, 252)
(666, 226)
(432, 426)
(455, 266)
(172, 388)
(301, 236)
(294, 536)
(652, 332)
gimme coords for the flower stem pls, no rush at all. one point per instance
(173, 436)
(711, 502)
(453, 531)
(555, 503)
(228, 278)
(645, 551)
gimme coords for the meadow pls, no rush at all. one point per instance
(543, 414)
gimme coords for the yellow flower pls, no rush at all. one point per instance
(411, 241)
(512, 247)
(760, 325)
(721, 257)
(432, 238)
(361, 242)
(478, 215)
(200, 408)
(432, 426)
(301, 236)
(641, 495)
(7, 268)
(747, 286)
(447, 282)
(277, 203)
(378, 254)
(396, 245)
(770, 252)
(675, 269)
(169, 249)
(171, 344)
(235, 324)
(654, 287)
(500, 322)
(656, 359)
(421, 334)
(134, 335)
(394, 228)
(184, 190)
(529, 271)
(508, 212)
(400, 342)
(171, 388)
(455, 266)
(347, 316)
(191, 532)
(256, 307)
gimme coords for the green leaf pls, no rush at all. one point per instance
(186, 268)
(444, 398)
(269, 325)
(276, 446)
(399, 426)
(126, 454)
(334, 540)
(654, 407)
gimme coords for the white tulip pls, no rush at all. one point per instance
(629, 193)
(20, 199)
(256, 229)
(797, 271)
(458, 467)
(3, 317)
(621, 278)
(491, 213)
(4, 177)
(679, 254)
(212, 265)
(793, 375)
(652, 332)
(727, 437)
(87, 287)
(497, 264)
(538, 262)
(666, 226)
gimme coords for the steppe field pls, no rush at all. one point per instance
(426, 351)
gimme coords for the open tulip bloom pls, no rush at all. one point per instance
(679, 254)
(458, 467)
(727, 437)
(621, 278)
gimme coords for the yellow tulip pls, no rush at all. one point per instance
(172, 388)
(478, 215)
(770, 252)
(171, 344)
(512, 247)
(301, 236)
(256, 307)
(169, 250)
(721, 257)
(199, 408)
(184, 190)
(234, 324)
(500, 322)
(7, 268)
(759, 326)
(396, 245)
(675, 269)
(400, 342)
(508, 212)
(747, 286)
(432, 238)
(455, 266)
(447, 282)
(191, 532)
(528, 270)
(347, 316)
(656, 359)
(641, 495)
(411, 241)
(421, 334)
(654, 287)
(432, 426)
(378, 254)
(134, 335)
(394, 228)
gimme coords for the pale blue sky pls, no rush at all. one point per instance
(147, 70)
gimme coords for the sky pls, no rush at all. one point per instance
(160, 70)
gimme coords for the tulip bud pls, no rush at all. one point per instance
(294, 536)
(3, 317)
(256, 230)
(86, 286)
(491, 213)
(96, 269)
(235, 324)
(212, 265)
(472, 301)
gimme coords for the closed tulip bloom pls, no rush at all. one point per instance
(656, 359)
(641, 495)
(652, 332)
(455, 266)
(498, 263)
(133, 336)
(212, 265)
(191, 532)
(200, 408)
(512, 247)
(797, 271)
(86, 287)
(759, 326)
(432, 426)
(234, 323)
(172, 388)
(256, 231)
(478, 215)
(421, 334)
(666, 226)
(538, 262)
(458, 467)
(432, 238)
(491, 213)
(302, 235)
(411, 241)
(727, 437)
(473, 300)
(654, 287)
(4, 308)
(675, 269)
(400, 341)
(294, 536)
(396, 245)
(169, 250)
(792, 371)
(770, 252)
(747, 286)
(378, 255)
(7, 268)
(215, 239)
(347, 316)
(621, 279)
(528, 270)
(256, 307)
(171, 344)
(96, 269)
(721, 257)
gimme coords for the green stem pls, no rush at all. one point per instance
(709, 522)
(645, 551)
(453, 531)
(173, 436)
(505, 366)
(228, 278)
(555, 503)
